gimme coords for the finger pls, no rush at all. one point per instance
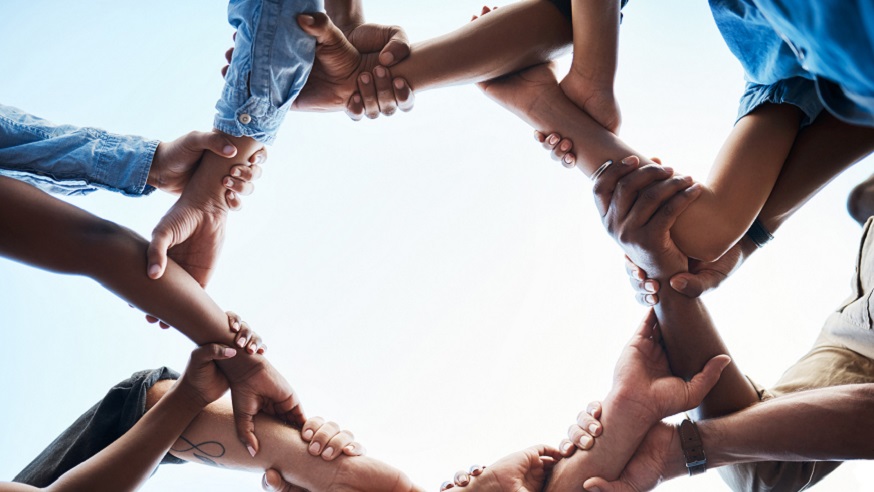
(630, 187)
(544, 450)
(234, 201)
(598, 483)
(310, 427)
(539, 136)
(290, 409)
(385, 96)
(446, 486)
(234, 321)
(367, 89)
(485, 10)
(701, 383)
(320, 440)
(404, 94)
(319, 26)
(569, 160)
(245, 425)
(151, 319)
(589, 424)
(550, 142)
(211, 141)
(562, 149)
(258, 158)
(272, 482)
(225, 70)
(336, 445)
(476, 470)
(657, 160)
(254, 343)
(606, 180)
(645, 299)
(229, 54)
(262, 348)
(243, 335)
(634, 271)
(461, 478)
(594, 409)
(238, 186)
(355, 107)
(245, 172)
(397, 48)
(580, 437)
(566, 447)
(354, 449)
(667, 214)
(157, 252)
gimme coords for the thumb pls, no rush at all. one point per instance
(598, 484)
(162, 239)
(245, 424)
(397, 48)
(213, 142)
(693, 285)
(272, 482)
(319, 26)
(205, 354)
(704, 381)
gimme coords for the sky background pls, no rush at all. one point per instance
(431, 281)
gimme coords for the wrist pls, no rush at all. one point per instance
(154, 177)
(185, 399)
(638, 415)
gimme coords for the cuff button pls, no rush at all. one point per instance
(245, 119)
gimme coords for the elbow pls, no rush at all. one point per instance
(704, 246)
(105, 245)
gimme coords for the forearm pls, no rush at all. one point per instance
(45, 232)
(596, 40)
(821, 152)
(509, 39)
(129, 461)
(691, 339)
(835, 423)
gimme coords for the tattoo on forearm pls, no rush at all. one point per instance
(206, 451)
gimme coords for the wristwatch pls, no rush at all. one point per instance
(693, 448)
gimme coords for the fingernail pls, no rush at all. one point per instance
(356, 98)
(379, 72)
(569, 159)
(565, 446)
(553, 140)
(237, 173)
(228, 150)
(695, 187)
(241, 342)
(251, 450)
(308, 19)
(387, 58)
(668, 170)
(680, 283)
(229, 352)
(308, 434)
(585, 440)
(329, 451)
(649, 287)
(229, 182)
(232, 196)
(154, 270)
(235, 326)
(399, 84)
(649, 299)
(259, 159)
(627, 160)
(350, 448)
(593, 428)
(365, 78)
(565, 146)
(315, 448)
(594, 489)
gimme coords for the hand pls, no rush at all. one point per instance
(256, 386)
(658, 459)
(192, 233)
(522, 471)
(333, 79)
(639, 205)
(379, 93)
(596, 99)
(272, 481)
(328, 441)
(561, 149)
(582, 434)
(643, 380)
(702, 276)
(202, 379)
(175, 162)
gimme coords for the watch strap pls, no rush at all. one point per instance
(693, 448)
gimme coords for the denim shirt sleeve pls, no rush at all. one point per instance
(272, 59)
(69, 160)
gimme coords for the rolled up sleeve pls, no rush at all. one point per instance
(272, 59)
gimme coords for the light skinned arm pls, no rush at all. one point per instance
(211, 439)
(42, 231)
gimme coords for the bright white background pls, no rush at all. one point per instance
(431, 281)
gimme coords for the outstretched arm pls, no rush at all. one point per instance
(47, 233)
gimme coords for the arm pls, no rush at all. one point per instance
(57, 236)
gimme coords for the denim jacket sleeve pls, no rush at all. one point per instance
(272, 59)
(69, 160)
